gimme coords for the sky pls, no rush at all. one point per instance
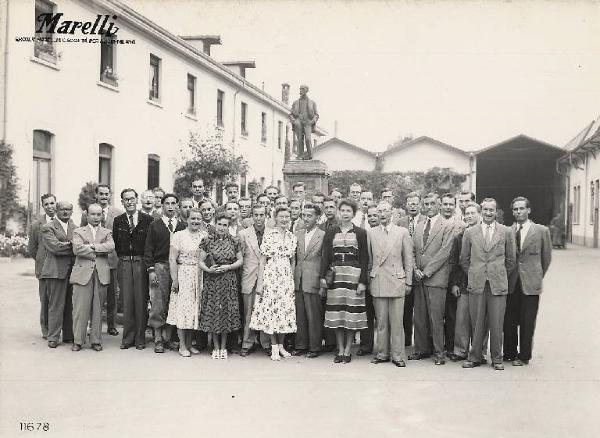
(468, 73)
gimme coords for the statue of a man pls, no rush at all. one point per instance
(304, 118)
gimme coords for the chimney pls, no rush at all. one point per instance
(240, 66)
(202, 42)
(285, 93)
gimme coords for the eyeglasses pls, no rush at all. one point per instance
(129, 199)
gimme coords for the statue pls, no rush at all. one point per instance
(304, 118)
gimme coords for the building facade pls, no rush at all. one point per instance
(119, 109)
(338, 154)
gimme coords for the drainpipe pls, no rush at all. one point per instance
(5, 72)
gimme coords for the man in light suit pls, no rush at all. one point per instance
(37, 251)
(390, 279)
(252, 275)
(56, 238)
(410, 221)
(109, 213)
(309, 307)
(534, 254)
(487, 256)
(92, 245)
(304, 118)
(433, 243)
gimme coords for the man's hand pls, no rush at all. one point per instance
(323, 292)
(455, 291)
(361, 289)
(174, 286)
(418, 274)
(407, 289)
(323, 283)
(153, 278)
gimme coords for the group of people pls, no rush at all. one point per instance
(294, 275)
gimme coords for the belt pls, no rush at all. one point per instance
(131, 258)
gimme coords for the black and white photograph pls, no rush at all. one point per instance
(300, 218)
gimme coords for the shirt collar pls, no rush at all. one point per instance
(48, 218)
(173, 221)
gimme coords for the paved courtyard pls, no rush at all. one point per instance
(128, 393)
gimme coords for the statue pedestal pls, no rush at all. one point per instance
(313, 173)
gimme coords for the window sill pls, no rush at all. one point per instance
(108, 86)
(44, 62)
(154, 103)
(191, 116)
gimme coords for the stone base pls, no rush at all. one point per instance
(313, 173)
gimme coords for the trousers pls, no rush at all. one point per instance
(389, 313)
(487, 311)
(56, 297)
(87, 307)
(309, 321)
(429, 311)
(519, 323)
(133, 282)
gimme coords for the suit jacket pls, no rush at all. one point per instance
(111, 214)
(130, 243)
(491, 262)
(87, 260)
(311, 107)
(533, 260)
(158, 239)
(59, 251)
(404, 221)
(35, 248)
(392, 261)
(307, 273)
(254, 261)
(249, 222)
(432, 257)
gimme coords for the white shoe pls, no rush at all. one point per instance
(284, 353)
(274, 352)
(223, 354)
(215, 354)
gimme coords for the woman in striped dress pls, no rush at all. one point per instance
(345, 255)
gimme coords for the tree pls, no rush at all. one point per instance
(87, 195)
(12, 214)
(206, 157)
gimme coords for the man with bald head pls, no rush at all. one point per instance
(92, 245)
(56, 237)
(304, 118)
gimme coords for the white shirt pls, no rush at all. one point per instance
(173, 222)
(135, 218)
(65, 226)
(385, 228)
(525, 228)
(358, 217)
(48, 218)
(488, 229)
(308, 237)
(93, 230)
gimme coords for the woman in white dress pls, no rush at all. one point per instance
(184, 305)
(275, 310)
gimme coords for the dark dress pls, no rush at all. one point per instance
(219, 309)
(347, 255)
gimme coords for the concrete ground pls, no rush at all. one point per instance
(117, 393)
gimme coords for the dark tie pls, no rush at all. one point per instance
(171, 225)
(426, 231)
(103, 221)
(519, 228)
(131, 223)
(411, 226)
(362, 221)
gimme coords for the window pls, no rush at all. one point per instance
(279, 134)
(220, 96)
(153, 171)
(263, 128)
(43, 47)
(576, 204)
(105, 164)
(154, 93)
(107, 62)
(287, 134)
(191, 88)
(244, 118)
(41, 177)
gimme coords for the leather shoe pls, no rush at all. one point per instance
(112, 331)
(439, 361)
(298, 352)
(312, 354)
(418, 356)
(338, 358)
(376, 360)
(52, 344)
(75, 347)
(140, 347)
(362, 352)
(470, 364)
(347, 359)
(244, 352)
(96, 347)
(498, 366)
(520, 363)
(159, 347)
(125, 346)
(399, 363)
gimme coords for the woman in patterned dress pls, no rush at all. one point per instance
(184, 304)
(220, 257)
(345, 253)
(275, 310)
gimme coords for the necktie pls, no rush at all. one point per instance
(171, 225)
(519, 228)
(362, 221)
(131, 223)
(411, 226)
(426, 231)
(488, 229)
(103, 221)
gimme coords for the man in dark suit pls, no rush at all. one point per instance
(156, 259)
(37, 251)
(109, 213)
(534, 254)
(129, 233)
(92, 245)
(309, 307)
(410, 221)
(488, 256)
(433, 243)
(56, 238)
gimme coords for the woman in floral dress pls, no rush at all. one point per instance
(275, 311)
(184, 304)
(220, 257)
